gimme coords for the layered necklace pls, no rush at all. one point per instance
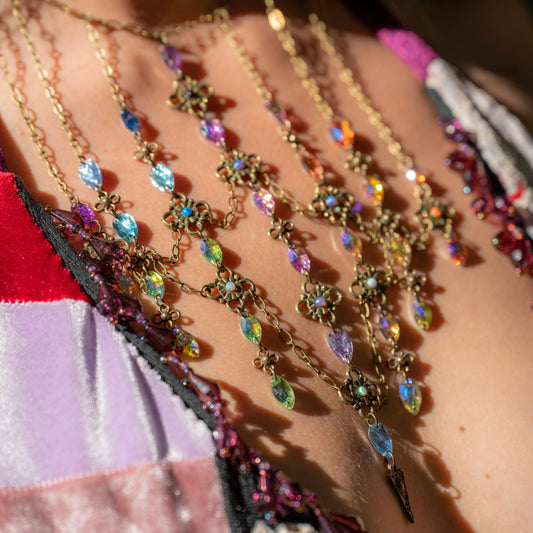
(123, 267)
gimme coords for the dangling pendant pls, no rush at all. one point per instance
(397, 480)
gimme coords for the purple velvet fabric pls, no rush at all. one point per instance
(76, 398)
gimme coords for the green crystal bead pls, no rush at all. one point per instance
(211, 251)
(282, 391)
(422, 313)
(400, 248)
(251, 328)
(155, 286)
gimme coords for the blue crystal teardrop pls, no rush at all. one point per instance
(411, 396)
(380, 438)
(130, 121)
(126, 227)
(162, 177)
(90, 174)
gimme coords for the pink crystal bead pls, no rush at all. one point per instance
(264, 201)
(341, 345)
(213, 130)
(172, 58)
(299, 260)
(276, 111)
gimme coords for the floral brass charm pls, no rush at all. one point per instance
(358, 391)
(230, 289)
(332, 203)
(186, 214)
(191, 96)
(319, 301)
(238, 167)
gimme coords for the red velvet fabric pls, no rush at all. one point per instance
(30, 270)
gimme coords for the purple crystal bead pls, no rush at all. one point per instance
(161, 339)
(213, 130)
(299, 260)
(105, 248)
(172, 58)
(70, 221)
(85, 213)
(264, 201)
(341, 345)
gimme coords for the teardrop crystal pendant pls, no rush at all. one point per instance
(282, 391)
(251, 328)
(155, 286)
(380, 438)
(374, 191)
(90, 174)
(422, 313)
(126, 227)
(212, 130)
(389, 327)
(312, 166)
(264, 201)
(400, 248)
(172, 58)
(299, 260)
(130, 120)
(352, 243)
(341, 345)
(211, 251)
(410, 395)
(162, 177)
(186, 344)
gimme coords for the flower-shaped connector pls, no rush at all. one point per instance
(358, 391)
(191, 96)
(238, 167)
(370, 284)
(230, 289)
(319, 301)
(332, 203)
(186, 214)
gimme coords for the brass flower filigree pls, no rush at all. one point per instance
(332, 203)
(238, 167)
(230, 289)
(370, 284)
(191, 96)
(359, 391)
(433, 214)
(357, 161)
(319, 301)
(186, 214)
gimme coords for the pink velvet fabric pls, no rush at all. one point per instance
(183, 497)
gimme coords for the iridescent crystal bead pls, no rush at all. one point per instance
(238, 164)
(299, 260)
(213, 130)
(155, 286)
(374, 191)
(457, 252)
(342, 133)
(130, 121)
(276, 111)
(276, 19)
(411, 396)
(320, 301)
(264, 201)
(282, 391)
(251, 328)
(126, 227)
(162, 177)
(172, 58)
(85, 212)
(389, 327)
(422, 313)
(351, 243)
(312, 166)
(380, 438)
(90, 174)
(372, 283)
(410, 174)
(332, 201)
(186, 344)
(230, 286)
(211, 251)
(186, 211)
(400, 248)
(341, 345)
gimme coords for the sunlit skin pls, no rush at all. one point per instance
(465, 457)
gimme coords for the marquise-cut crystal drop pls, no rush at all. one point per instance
(422, 313)
(457, 252)
(162, 177)
(374, 191)
(312, 166)
(342, 133)
(126, 227)
(400, 248)
(276, 111)
(264, 201)
(251, 328)
(172, 58)
(211, 251)
(155, 286)
(276, 19)
(389, 327)
(90, 174)
(186, 344)
(282, 391)
(130, 121)
(380, 438)
(341, 345)
(213, 130)
(411, 396)
(351, 243)
(299, 260)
